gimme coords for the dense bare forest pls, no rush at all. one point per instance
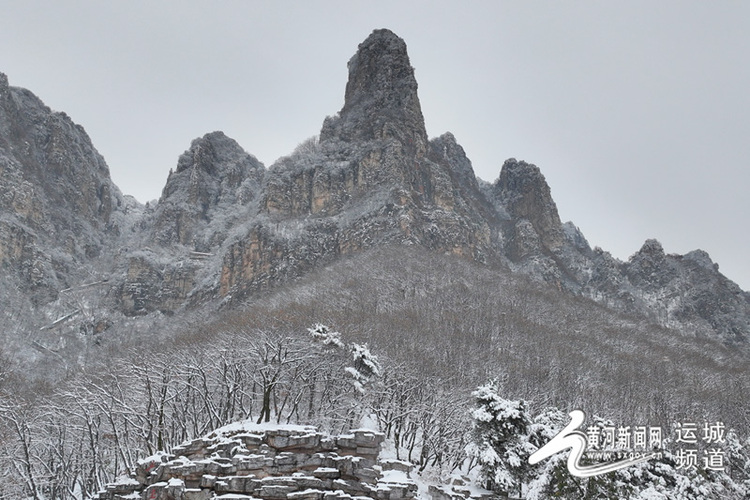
(437, 327)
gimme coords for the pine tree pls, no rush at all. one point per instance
(501, 440)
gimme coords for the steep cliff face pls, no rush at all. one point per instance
(56, 197)
(225, 226)
(381, 101)
(371, 178)
(523, 191)
(214, 179)
(375, 146)
(214, 189)
(684, 292)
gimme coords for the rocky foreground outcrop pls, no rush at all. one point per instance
(269, 462)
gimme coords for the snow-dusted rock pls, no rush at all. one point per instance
(269, 462)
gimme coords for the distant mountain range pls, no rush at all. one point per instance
(80, 257)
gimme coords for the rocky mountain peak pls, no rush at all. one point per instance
(525, 194)
(56, 197)
(701, 258)
(225, 227)
(214, 172)
(381, 99)
(651, 248)
(649, 263)
(220, 157)
(447, 146)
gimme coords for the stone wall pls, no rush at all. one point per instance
(245, 461)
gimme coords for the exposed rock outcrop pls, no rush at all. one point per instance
(688, 290)
(372, 178)
(381, 101)
(523, 191)
(247, 461)
(226, 227)
(155, 283)
(683, 292)
(214, 179)
(214, 189)
(56, 196)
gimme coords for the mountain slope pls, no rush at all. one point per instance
(226, 228)
(194, 311)
(58, 203)
(374, 178)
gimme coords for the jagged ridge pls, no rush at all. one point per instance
(226, 227)
(57, 204)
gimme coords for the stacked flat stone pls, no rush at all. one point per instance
(246, 462)
(460, 488)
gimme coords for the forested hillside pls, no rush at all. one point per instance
(437, 326)
(368, 278)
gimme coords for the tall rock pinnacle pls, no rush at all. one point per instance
(381, 99)
(526, 196)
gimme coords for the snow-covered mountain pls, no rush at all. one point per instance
(129, 329)
(226, 227)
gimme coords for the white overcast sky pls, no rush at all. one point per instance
(637, 112)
